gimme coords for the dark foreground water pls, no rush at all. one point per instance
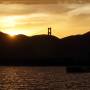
(42, 78)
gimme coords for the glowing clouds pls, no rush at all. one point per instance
(65, 19)
(8, 22)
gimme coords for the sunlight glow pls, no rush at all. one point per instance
(9, 22)
(12, 33)
(65, 19)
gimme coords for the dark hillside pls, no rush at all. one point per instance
(44, 50)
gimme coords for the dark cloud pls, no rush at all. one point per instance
(30, 1)
(44, 1)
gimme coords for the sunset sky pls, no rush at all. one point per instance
(32, 17)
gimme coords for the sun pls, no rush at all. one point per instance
(9, 25)
(12, 33)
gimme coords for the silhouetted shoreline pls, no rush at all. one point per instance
(44, 50)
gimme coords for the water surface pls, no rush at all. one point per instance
(42, 78)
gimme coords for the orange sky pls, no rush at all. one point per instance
(32, 17)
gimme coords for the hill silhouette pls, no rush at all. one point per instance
(44, 50)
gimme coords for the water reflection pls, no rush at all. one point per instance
(41, 78)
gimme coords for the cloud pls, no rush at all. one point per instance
(63, 17)
(43, 1)
(19, 9)
(68, 9)
(55, 12)
(29, 1)
(83, 9)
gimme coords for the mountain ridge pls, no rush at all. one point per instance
(27, 50)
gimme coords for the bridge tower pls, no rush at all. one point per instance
(49, 31)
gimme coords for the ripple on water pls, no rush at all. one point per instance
(42, 78)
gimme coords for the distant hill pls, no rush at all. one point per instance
(78, 45)
(36, 50)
